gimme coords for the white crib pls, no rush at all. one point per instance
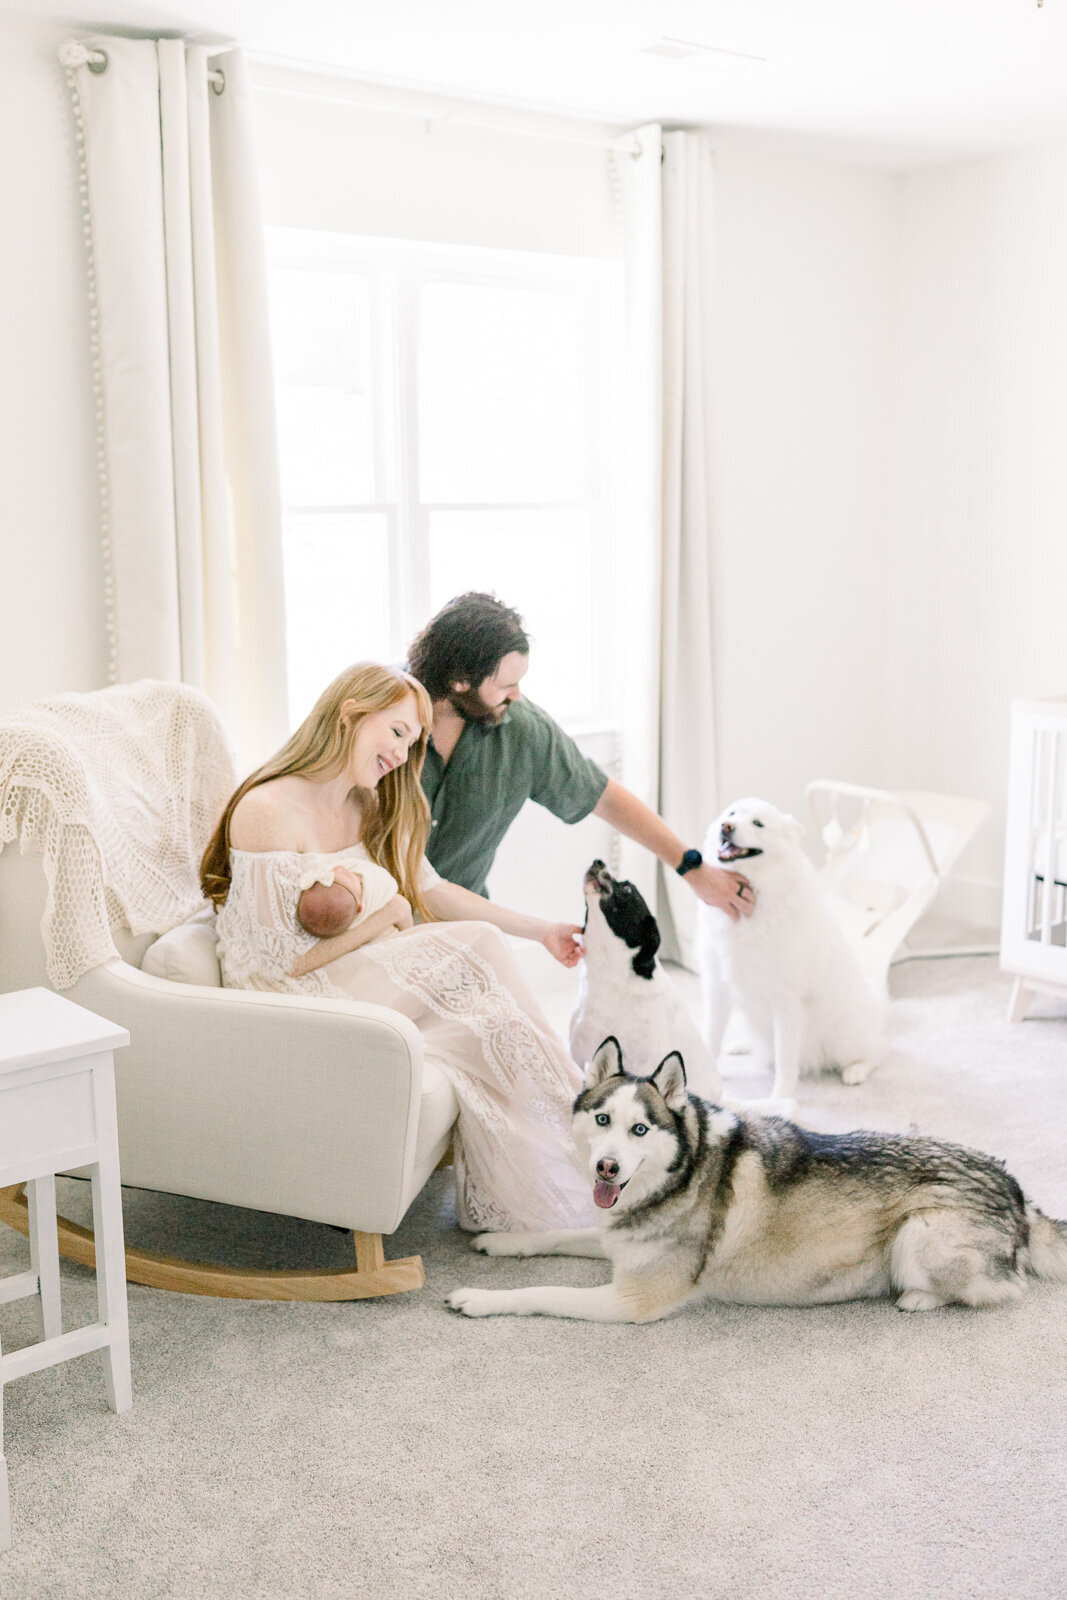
(1033, 934)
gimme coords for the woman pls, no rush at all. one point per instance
(346, 788)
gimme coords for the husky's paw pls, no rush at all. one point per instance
(857, 1071)
(497, 1244)
(473, 1302)
(918, 1300)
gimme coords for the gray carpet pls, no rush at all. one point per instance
(389, 1448)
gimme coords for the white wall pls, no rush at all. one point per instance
(980, 571)
(51, 594)
(337, 163)
(804, 303)
(891, 538)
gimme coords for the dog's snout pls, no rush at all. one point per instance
(607, 1169)
(598, 877)
(726, 829)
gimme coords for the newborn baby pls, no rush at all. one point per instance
(332, 898)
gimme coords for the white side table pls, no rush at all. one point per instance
(57, 1112)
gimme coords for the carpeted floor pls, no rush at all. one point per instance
(391, 1449)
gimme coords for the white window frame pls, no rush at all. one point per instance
(397, 270)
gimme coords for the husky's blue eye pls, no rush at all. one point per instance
(602, 1119)
(638, 1130)
(756, 823)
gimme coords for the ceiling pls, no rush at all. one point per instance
(888, 83)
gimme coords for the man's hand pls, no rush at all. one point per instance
(729, 891)
(561, 940)
(714, 885)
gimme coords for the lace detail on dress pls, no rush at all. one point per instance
(533, 1080)
(515, 1166)
(458, 984)
(259, 936)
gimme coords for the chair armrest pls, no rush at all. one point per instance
(287, 1103)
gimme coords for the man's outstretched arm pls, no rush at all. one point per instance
(716, 886)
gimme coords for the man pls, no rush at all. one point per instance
(491, 750)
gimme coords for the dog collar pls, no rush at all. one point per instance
(691, 859)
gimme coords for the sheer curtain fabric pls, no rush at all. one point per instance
(687, 776)
(187, 451)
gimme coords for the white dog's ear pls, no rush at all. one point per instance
(669, 1078)
(606, 1063)
(796, 829)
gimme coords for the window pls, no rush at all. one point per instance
(445, 420)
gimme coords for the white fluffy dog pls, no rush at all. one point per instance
(788, 967)
(624, 992)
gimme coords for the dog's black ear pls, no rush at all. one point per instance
(606, 1063)
(669, 1079)
(644, 962)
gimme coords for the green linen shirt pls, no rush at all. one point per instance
(492, 771)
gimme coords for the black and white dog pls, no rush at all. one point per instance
(623, 990)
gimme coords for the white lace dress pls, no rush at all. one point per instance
(457, 981)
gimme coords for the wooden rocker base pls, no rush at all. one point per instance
(373, 1275)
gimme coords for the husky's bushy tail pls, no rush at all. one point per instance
(1048, 1246)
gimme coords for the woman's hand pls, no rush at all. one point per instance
(450, 903)
(562, 940)
(399, 912)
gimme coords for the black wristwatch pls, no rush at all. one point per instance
(691, 859)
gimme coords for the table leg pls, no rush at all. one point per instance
(111, 1283)
(44, 1252)
(1021, 997)
(5, 1507)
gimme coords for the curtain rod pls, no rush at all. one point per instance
(624, 143)
(73, 53)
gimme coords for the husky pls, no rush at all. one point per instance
(623, 990)
(698, 1202)
(788, 967)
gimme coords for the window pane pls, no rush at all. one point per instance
(540, 562)
(321, 335)
(337, 600)
(500, 414)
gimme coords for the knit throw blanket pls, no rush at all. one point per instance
(119, 791)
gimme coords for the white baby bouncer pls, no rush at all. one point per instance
(887, 856)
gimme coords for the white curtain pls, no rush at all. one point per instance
(639, 465)
(687, 777)
(187, 446)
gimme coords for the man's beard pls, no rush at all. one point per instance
(473, 708)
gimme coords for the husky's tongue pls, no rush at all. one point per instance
(606, 1194)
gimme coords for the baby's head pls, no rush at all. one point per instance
(326, 909)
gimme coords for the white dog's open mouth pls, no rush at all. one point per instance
(729, 851)
(605, 1194)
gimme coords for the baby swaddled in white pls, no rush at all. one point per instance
(333, 896)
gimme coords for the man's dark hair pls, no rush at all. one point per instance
(465, 643)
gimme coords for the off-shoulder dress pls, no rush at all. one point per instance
(458, 982)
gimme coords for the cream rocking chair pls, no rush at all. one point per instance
(312, 1108)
